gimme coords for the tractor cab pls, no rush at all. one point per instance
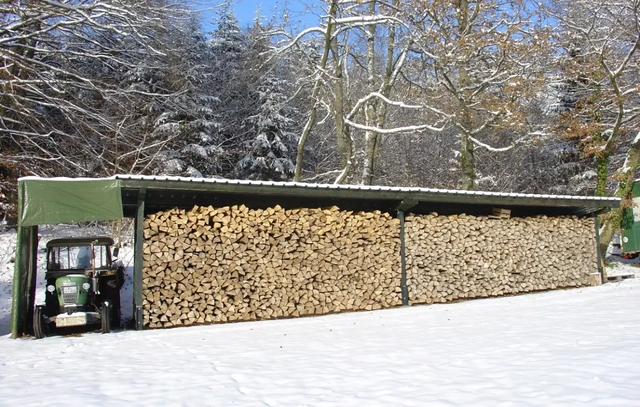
(82, 285)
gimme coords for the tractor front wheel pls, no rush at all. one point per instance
(105, 316)
(39, 325)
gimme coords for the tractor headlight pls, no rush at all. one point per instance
(86, 286)
(51, 288)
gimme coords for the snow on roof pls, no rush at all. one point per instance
(341, 187)
(365, 188)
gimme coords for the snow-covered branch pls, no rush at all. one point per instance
(395, 130)
(479, 143)
(322, 176)
(361, 102)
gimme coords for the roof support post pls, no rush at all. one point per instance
(24, 274)
(32, 276)
(601, 270)
(404, 206)
(137, 263)
(407, 204)
(24, 281)
(403, 262)
(17, 304)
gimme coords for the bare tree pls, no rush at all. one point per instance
(482, 60)
(468, 65)
(603, 42)
(71, 75)
(327, 32)
(331, 79)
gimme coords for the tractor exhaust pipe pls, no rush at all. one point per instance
(94, 280)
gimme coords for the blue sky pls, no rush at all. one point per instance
(302, 12)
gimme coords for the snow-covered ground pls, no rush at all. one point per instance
(7, 255)
(572, 347)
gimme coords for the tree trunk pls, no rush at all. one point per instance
(370, 137)
(370, 140)
(602, 167)
(467, 158)
(625, 176)
(311, 121)
(343, 133)
(467, 162)
(378, 111)
(342, 136)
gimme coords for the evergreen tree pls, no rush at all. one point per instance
(269, 153)
(188, 121)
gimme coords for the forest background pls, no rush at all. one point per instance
(498, 95)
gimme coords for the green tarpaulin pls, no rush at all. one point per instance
(43, 201)
(631, 222)
(50, 201)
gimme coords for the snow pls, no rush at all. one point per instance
(338, 187)
(626, 167)
(571, 347)
(621, 267)
(7, 253)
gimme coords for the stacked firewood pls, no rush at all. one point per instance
(210, 264)
(458, 257)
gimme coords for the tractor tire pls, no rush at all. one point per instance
(105, 317)
(39, 326)
(111, 293)
(115, 312)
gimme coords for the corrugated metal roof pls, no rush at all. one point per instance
(409, 190)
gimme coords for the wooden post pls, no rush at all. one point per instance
(137, 263)
(24, 274)
(32, 277)
(601, 269)
(24, 281)
(403, 261)
(404, 206)
(17, 303)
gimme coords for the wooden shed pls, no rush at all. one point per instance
(432, 245)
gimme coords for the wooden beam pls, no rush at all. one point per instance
(407, 204)
(137, 263)
(403, 262)
(17, 301)
(32, 277)
(601, 269)
(355, 193)
(24, 281)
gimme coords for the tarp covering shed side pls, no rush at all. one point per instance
(60, 200)
(49, 201)
(631, 222)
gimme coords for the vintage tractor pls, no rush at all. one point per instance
(83, 285)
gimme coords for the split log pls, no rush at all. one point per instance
(210, 265)
(458, 257)
(236, 264)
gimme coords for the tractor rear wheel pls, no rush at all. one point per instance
(39, 325)
(115, 313)
(111, 292)
(105, 317)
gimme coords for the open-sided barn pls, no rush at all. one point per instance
(214, 250)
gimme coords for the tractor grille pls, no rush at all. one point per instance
(69, 294)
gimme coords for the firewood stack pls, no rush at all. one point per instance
(458, 257)
(210, 264)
